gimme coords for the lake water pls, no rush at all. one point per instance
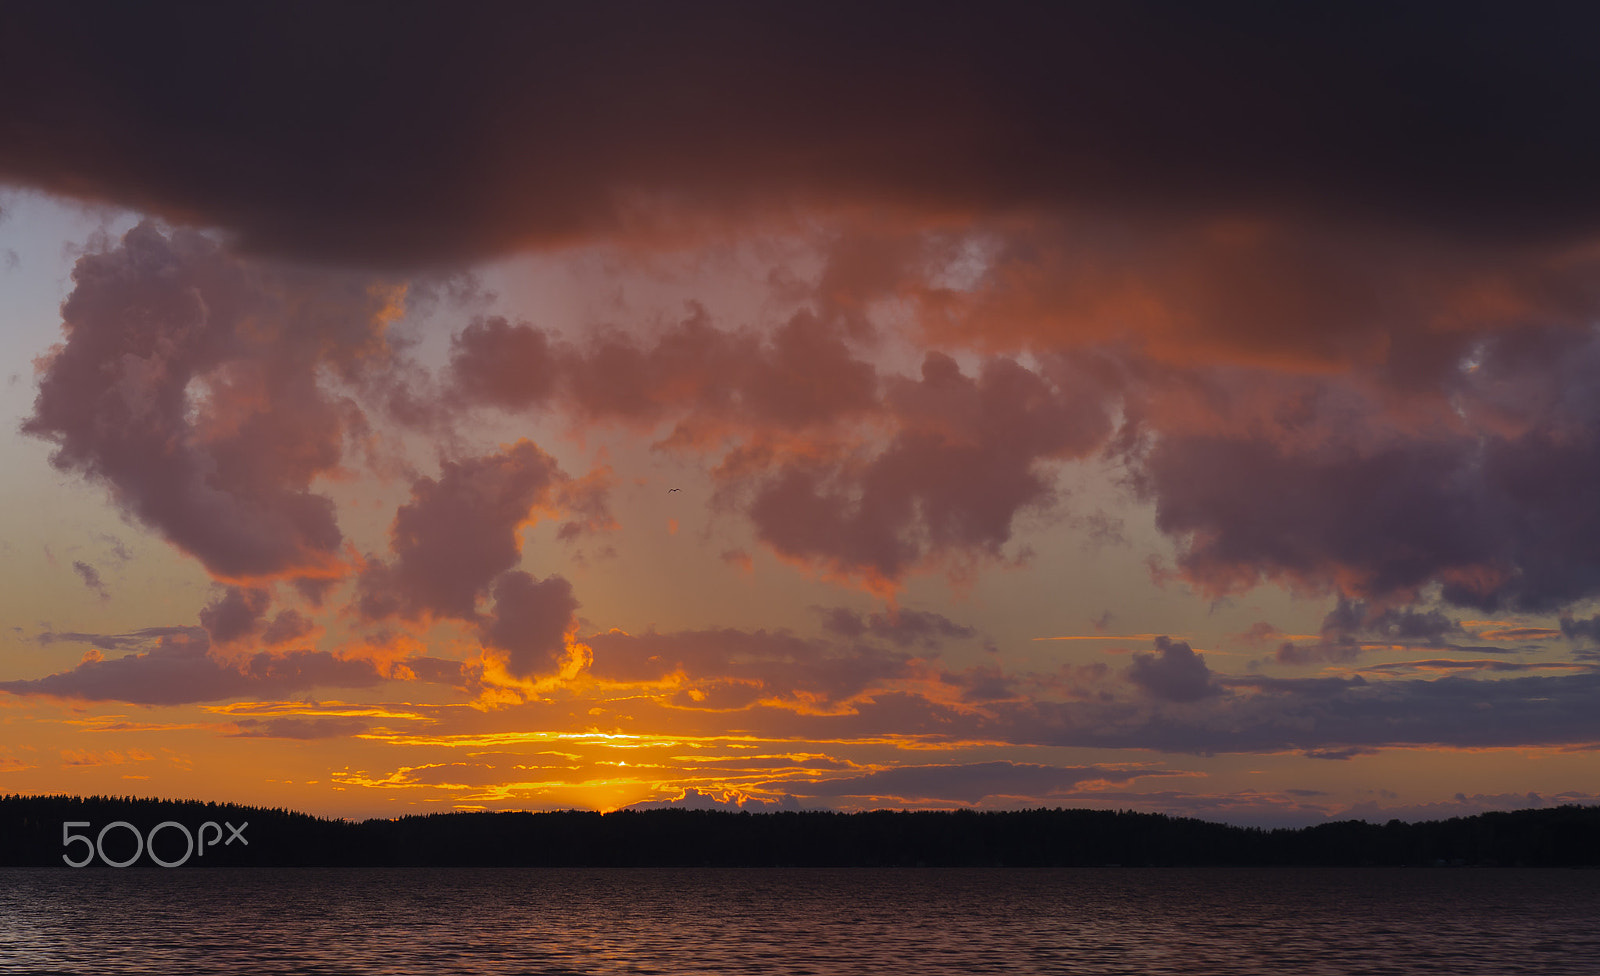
(1136, 921)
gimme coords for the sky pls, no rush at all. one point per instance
(1141, 406)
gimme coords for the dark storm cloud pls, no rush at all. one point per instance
(1480, 485)
(416, 132)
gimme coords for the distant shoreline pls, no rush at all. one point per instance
(96, 831)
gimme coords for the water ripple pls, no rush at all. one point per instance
(1140, 922)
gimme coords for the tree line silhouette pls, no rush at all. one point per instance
(31, 834)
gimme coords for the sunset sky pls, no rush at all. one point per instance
(1171, 407)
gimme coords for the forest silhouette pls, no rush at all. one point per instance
(31, 834)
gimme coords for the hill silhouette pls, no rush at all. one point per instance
(31, 834)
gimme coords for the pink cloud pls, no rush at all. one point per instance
(458, 533)
(970, 455)
(237, 614)
(288, 626)
(530, 622)
(704, 379)
(901, 627)
(177, 667)
(188, 386)
(1175, 673)
(1342, 489)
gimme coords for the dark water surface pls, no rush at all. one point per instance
(1092, 921)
